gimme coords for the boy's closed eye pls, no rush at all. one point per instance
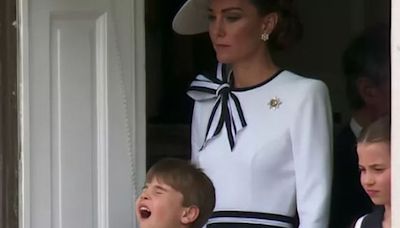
(144, 188)
(159, 190)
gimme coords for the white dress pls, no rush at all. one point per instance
(281, 159)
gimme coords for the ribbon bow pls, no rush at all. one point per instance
(226, 107)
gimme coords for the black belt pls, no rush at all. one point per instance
(245, 219)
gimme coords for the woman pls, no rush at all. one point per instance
(373, 149)
(261, 133)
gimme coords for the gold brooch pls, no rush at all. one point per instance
(274, 103)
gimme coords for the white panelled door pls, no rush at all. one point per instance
(78, 78)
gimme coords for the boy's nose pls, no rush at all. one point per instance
(144, 195)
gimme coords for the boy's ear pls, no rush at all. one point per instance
(190, 214)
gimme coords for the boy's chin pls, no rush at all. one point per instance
(145, 223)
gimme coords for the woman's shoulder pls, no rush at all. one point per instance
(299, 82)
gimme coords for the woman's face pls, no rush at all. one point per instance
(374, 163)
(235, 29)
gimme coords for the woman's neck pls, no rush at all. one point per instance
(387, 217)
(252, 72)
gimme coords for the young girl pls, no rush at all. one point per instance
(373, 150)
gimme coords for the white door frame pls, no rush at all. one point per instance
(395, 51)
(136, 105)
(24, 123)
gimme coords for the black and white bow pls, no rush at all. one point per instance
(227, 109)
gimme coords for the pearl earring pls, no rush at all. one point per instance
(264, 36)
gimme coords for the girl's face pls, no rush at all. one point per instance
(374, 163)
(235, 29)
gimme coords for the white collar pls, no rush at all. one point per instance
(355, 127)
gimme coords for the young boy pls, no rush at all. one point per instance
(176, 195)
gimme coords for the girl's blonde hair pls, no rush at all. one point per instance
(378, 131)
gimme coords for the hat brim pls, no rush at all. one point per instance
(192, 18)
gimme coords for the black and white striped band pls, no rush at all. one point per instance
(244, 219)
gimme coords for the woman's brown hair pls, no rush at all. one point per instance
(289, 29)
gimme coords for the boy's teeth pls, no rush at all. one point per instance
(144, 212)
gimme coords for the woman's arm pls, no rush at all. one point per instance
(311, 134)
(196, 139)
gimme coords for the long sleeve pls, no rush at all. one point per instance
(196, 139)
(311, 134)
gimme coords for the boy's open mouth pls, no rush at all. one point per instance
(144, 212)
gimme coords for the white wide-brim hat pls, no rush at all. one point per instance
(192, 18)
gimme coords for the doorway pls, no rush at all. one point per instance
(173, 61)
